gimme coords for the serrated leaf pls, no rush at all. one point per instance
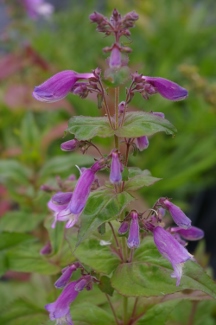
(20, 221)
(140, 179)
(61, 164)
(99, 258)
(102, 206)
(26, 258)
(137, 124)
(150, 275)
(87, 127)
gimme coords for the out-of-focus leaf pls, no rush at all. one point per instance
(22, 312)
(61, 164)
(8, 239)
(105, 285)
(14, 171)
(20, 221)
(26, 258)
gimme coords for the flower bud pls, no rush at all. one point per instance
(142, 143)
(134, 238)
(69, 145)
(115, 58)
(115, 168)
(123, 229)
(177, 214)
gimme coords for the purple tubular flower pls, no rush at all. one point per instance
(83, 188)
(69, 145)
(177, 214)
(193, 233)
(115, 58)
(166, 88)
(172, 250)
(62, 198)
(133, 238)
(60, 309)
(65, 277)
(59, 85)
(115, 168)
(142, 143)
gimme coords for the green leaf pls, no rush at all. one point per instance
(141, 178)
(26, 258)
(99, 258)
(88, 313)
(150, 275)
(137, 124)
(87, 127)
(159, 313)
(102, 206)
(9, 239)
(20, 221)
(105, 285)
(14, 171)
(61, 164)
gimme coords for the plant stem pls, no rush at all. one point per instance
(124, 248)
(116, 107)
(125, 306)
(117, 242)
(134, 309)
(113, 310)
(192, 313)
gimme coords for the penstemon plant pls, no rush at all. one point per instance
(132, 256)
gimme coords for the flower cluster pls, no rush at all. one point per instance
(59, 310)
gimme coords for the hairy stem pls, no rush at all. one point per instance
(112, 308)
(116, 241)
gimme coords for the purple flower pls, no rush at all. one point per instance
(166, 88)
(36, 8)
(59, 85)
(134, 238)
(123, 228)
(172, 250)
(115, 58)
(83, 188)
(60, 309)
(69, 145)
(193, 233)
(142, 143)
(58, 204)
(65, 277)
(115, 168)
(177, 214)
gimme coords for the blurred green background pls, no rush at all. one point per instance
(172, 39)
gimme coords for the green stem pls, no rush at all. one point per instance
(116, 107)
(113, 310)
(124, 248)
(125, 307)
(116, 241)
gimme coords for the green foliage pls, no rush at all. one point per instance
(102, 206)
